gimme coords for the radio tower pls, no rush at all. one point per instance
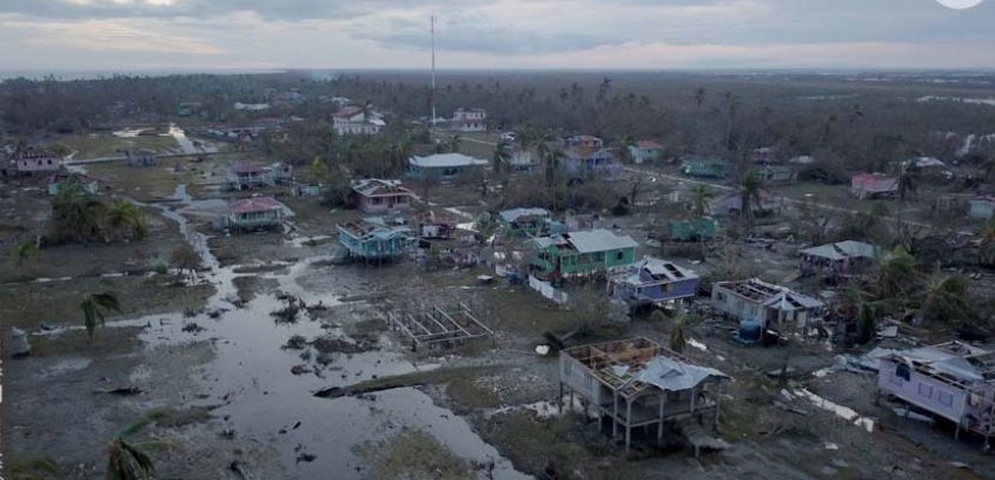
(433, 70)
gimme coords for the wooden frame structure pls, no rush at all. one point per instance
(432, 325)
(608, 376)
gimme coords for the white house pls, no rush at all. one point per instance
(353, 120)
(645, 151)
(470, 120)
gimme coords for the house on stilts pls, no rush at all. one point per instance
(638, 383)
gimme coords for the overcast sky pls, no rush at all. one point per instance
(240, 34)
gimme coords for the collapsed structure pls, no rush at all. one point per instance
(773, 307)
(638, 383)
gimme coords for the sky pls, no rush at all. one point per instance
(134, 35)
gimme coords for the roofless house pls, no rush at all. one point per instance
(638, 383)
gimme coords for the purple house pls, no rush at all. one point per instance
(653, 281)
(951, 380)
(586, 155)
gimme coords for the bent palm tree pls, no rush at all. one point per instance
(502, 155)
(127, 462)
(701, 196)
(750, 187)
(95, 306)
(123, 215)
(25, 251)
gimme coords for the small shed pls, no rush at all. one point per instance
(19, 346)
(705, 168)
(873, 185)
(691, 230)
(981, 208)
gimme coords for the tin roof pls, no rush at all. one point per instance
(651, 269)
(446, 160)
(516, 213)
(254, 204)
(842, 250)
(372, 187)
(588, 241)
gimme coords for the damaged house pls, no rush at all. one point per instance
(378, 196)
(374, 239)
(525, 222)
(638, 383)
(774, 307)
(652, 281)
(951, 380)
(840, 259)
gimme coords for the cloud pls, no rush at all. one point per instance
(107, 36)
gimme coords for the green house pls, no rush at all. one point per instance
(691, 230)
(705, 167)
(578, 254)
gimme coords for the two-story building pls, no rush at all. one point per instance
(580, 254)
(470, 120)
(32, 161)
(378, 196)
(256, 213)
(586, 155)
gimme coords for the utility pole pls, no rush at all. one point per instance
(433, 70)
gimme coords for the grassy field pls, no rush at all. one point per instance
(100, 145)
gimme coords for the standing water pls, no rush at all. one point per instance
(263, 401)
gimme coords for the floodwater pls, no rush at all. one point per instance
(263, 401)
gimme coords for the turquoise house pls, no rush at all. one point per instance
(705, 168)
(374, 239)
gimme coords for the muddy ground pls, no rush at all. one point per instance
(225, 367)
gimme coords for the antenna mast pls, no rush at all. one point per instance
(433, 70)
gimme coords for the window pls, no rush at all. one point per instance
(945, 398)
(620, 255)
(925, 390)
(902, 371)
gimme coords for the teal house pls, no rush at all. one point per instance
(374, 239)
(705, 168)
(691, 230)
(580, 254)
(525, 222)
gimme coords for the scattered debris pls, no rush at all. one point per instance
(300, 369)
(124, 391)
(905, 412)
(193, 327)
(240, 470)
(296, 342)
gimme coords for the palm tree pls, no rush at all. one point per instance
(895, 276)
(125, 215)
(750, 187)
(947, 299)
(128, 462)
(699, 96)
(95, 306)
(76, 214)
(454, 143)
(502, 155)
(907, 184)
(701, 194)
(731, 102)
(25, 251)
(625, 154)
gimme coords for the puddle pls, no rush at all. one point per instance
(845, 413)
(66, 366)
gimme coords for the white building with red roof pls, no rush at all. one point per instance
(354, 120)
(645, 151)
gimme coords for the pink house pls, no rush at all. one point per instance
(29, 162)
(870, 185)
(382, 196)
